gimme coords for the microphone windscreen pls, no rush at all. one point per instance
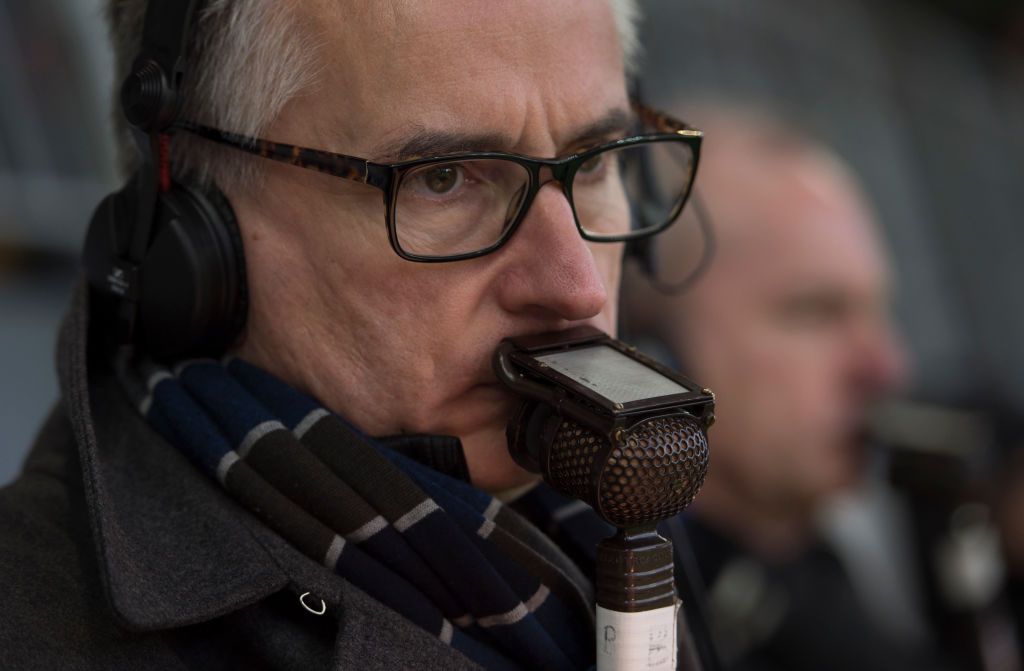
(642, 474)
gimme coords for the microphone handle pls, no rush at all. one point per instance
(637, 608)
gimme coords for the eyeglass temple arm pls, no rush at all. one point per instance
(661, 121)
(339, 165)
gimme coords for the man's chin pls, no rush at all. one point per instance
(479, 419)
(849, 469)
(491, 467)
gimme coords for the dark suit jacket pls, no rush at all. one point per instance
(115, 552)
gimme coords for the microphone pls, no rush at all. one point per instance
(609, 426)
(639, 476)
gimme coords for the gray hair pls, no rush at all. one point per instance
(264, 57)
(262, 61)
(627, 20)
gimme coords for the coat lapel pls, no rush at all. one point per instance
(173, 549)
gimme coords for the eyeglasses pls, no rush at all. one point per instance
(461, 206)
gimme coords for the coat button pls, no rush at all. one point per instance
(309, 602)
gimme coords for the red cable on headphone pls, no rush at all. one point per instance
(165, 162)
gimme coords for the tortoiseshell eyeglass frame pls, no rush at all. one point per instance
(388, 176)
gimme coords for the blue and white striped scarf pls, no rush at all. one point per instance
(447, 556)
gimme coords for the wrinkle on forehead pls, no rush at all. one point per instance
(467, 65)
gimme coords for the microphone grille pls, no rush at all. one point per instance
(653, 471)
(571, 461)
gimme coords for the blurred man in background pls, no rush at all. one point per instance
(790, 327)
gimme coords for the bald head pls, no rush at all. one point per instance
(789, 325)
(788, 217)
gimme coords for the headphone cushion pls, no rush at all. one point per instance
(194, 291)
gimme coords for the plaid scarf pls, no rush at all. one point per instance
(450, 558)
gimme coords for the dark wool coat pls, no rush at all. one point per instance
(117, 553)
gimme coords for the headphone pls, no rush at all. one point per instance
(165, 259)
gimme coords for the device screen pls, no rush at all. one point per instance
(612, 374)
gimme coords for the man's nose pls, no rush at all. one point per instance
(551, 267)
(883, 360)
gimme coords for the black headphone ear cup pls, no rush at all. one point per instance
(194, 296)
(107, 237)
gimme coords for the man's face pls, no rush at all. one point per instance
(397, 346)
(790, 329)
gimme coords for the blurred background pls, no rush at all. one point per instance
(56, 163)
(923, 98)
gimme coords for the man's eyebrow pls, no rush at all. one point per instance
(426, 142)
(615, 122)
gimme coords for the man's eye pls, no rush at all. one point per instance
(592, 164)
(815, 310)
(441, 180)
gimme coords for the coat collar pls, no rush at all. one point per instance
(172, 548)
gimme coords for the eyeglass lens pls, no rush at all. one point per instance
(464, 206)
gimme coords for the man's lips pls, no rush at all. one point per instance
(495, 388)
(484, 370)
(484, 380)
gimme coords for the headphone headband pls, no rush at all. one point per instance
(150, 94)
(151, 100)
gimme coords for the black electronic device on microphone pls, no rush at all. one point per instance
(607, 425)
(165, 259)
